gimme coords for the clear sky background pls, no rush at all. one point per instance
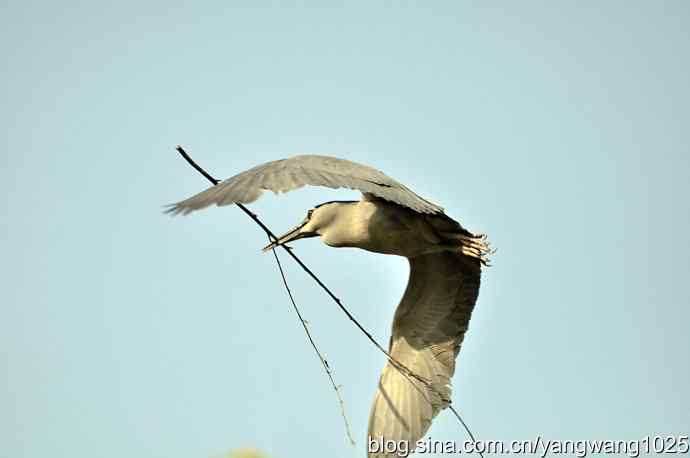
(558, 128)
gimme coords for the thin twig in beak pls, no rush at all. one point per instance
(294, 234)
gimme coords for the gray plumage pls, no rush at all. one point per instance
(445, 268)
(288, 174)
(428, 329)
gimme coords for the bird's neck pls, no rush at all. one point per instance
(379, 227)
(350, 228)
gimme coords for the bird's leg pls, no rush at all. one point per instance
(474, 246)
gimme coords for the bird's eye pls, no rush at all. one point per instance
(309, 213)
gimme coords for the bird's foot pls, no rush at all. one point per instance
(475, 246)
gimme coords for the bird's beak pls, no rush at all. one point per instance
(295, 234)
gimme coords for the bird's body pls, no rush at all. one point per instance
(445, 266)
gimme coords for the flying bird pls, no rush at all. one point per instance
(445, 268)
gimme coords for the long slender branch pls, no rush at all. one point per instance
(404, 370)
(324, 363)
(303, 322)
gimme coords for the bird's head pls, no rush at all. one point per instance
(317, 223)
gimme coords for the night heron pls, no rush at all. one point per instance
(445, 267)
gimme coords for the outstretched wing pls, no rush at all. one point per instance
(428, 328)
(287, 174)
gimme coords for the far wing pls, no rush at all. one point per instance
(288, 174)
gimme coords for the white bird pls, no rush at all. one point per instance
(445, 267)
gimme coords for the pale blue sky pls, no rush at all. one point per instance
(558, 128)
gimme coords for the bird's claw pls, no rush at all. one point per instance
(476, 246)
